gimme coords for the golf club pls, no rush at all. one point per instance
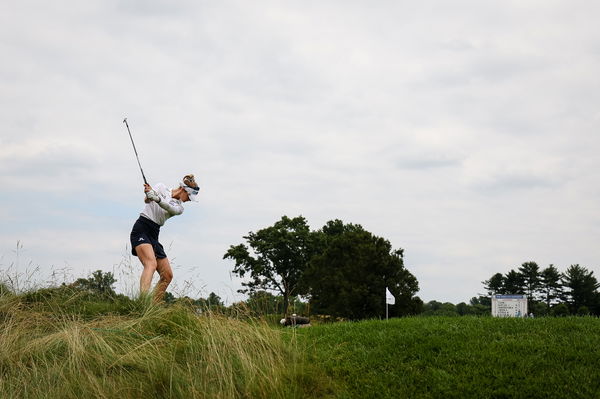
(134, 150)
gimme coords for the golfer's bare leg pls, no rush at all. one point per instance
(166, 275)
(145, 253)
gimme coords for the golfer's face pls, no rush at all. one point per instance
(185, 197)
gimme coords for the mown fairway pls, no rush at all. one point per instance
(72, 347)
(461, 357)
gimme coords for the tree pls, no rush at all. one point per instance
(449, 309)
(481, 305)
(550, 285)
(99, 283)
(530, 274)
(263, 303)
(513, 283)
(348, 276)
(432, 306)
(495, 285)
(580, 288)
(435, 308)
(414, 307)
(463, 309)
(483, 301)
(280, 254)
(213, 302)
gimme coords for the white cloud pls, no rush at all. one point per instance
(464, 133)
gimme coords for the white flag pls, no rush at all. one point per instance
(389, 298)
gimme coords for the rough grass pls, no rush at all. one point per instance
(160, 352)
(467, 357)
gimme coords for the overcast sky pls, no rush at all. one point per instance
(464, 132)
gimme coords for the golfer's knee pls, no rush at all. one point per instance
(166, 276)
(150, 265)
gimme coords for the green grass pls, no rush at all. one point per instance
(465, 357)
(57, 343)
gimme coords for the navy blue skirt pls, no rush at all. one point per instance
(145, 231)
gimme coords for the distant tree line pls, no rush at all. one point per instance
(574, 291)
(340, 270)
(212, 303)
(474, 308)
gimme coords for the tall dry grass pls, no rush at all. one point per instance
(156, 352)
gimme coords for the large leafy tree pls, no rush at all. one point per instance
(274, 258)
(580, 288)
(349, 275)
(550, 285)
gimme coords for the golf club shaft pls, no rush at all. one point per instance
(134, 150)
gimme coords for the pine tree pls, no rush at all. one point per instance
(530, 273)
(580, 288)
(551, 287)
(513, 283)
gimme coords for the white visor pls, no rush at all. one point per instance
(192, 191)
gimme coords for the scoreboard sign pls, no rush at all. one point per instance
(509, 305)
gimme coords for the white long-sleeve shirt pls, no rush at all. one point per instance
(166, 208)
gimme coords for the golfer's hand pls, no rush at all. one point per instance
(147, 188)
(153, 196)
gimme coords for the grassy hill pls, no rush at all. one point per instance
(57, 346)
(460, 357)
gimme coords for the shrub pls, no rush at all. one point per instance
(583, 311)
(560, 310)
(539, 309)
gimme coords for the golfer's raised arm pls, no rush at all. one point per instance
(173, 207)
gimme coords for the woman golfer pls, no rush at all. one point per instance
(161, 204)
